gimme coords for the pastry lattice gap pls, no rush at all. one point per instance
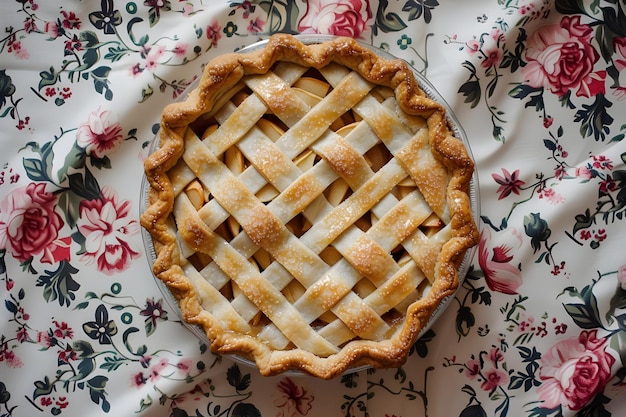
(294, 171)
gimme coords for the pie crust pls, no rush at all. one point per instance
(309, 206)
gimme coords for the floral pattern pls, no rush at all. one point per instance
(291, 399)
(29, 222)
(98, 135)
(560, 58)
(340, 18)
(574, 371)
(539, 322)
(498, 257)
(107, 226)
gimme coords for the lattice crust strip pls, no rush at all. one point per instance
(306, 208)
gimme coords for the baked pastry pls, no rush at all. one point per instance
(309, 206)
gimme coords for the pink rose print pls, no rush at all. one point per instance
(497, 258)
(560, 58)
(99, 135)
(28, 222)
(574, 370)
(336, 17)
(293, 400)
(108, 226)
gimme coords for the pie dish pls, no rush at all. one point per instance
(309, 206)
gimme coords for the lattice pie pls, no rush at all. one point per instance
(309, 206)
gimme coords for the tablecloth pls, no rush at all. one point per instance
(538, 326)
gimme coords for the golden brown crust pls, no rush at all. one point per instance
(447, 162)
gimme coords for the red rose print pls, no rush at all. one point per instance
(108, 227)
(28, 222)
(57, 251)
(337, 17)
(593, 85)
(560, 58)
(497, 258)
(574, 370)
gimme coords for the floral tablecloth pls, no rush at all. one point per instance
(538, 327)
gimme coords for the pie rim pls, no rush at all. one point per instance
(176, 117)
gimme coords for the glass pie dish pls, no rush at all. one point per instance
(330, 217)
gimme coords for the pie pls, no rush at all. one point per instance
(309, 206)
